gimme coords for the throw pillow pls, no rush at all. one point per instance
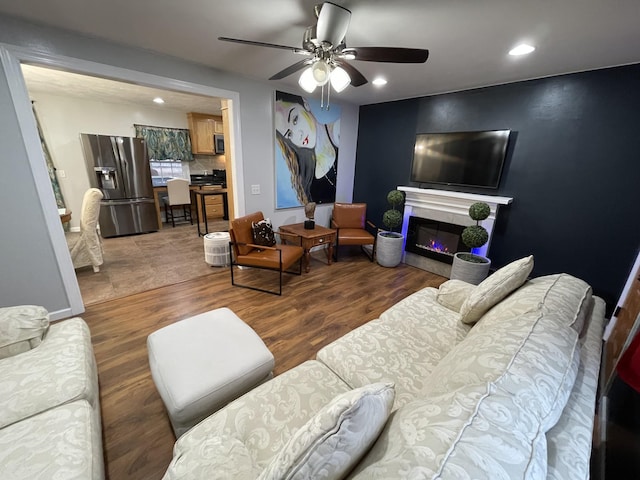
(453, 293)
(495, 288)
(263, 233)
(22, 328)
(334, 440)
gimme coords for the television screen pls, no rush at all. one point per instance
(460, 158)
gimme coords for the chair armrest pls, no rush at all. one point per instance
(260, 247)
(334, 224)
(252, 245)
(370, 224)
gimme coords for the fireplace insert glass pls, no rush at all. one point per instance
(433, 239)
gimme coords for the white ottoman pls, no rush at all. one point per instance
(202, 363)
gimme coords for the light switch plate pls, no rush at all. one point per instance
(255, 189)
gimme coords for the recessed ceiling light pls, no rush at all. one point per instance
(158, 100)
(522, 49)
(379, 81)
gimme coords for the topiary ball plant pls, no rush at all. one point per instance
(475, 236)
(392, 219)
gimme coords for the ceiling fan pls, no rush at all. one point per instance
(325, 47)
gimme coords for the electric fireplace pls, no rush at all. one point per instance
(434, 239)
(433, 236)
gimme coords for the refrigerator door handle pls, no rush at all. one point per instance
(127, 201)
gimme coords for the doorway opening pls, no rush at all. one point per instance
(110, 107)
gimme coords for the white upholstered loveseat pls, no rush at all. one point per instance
(496, 381)
(50, 424)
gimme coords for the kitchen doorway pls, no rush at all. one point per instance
(124, 272)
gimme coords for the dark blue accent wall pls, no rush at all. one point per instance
(573, 167)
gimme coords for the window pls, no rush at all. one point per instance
(161, 171)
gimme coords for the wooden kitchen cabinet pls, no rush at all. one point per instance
(202, 127)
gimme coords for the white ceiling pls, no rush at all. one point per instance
(468, 39)
(66, 84)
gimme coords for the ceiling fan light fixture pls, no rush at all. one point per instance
(306, 80)
(320, 71)
(340, 79)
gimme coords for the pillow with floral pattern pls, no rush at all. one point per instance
(263, 233)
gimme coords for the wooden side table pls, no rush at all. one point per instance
(312, 238)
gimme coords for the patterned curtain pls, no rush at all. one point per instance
(166, 143)
(50, 167)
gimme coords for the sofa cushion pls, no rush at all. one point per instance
(453, 293)
(532, 357)
(60, 370)
(489, 403)
(22, 328)
(402, 346)
(64, 442)
(216, 457)
(333, 441)
(263, 419)
(496, 287)
(569, 441)
(470, 433)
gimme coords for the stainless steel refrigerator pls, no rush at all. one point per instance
(119, 166)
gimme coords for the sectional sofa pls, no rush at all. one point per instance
(50, 424)
(494, 381)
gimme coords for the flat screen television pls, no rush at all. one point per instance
(472, 159)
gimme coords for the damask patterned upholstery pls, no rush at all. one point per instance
(60, 370)
(64, 442)
(22, 328)
(259, 424)
(331, 443)
(512, 396)
(50, 423)
(402, 346)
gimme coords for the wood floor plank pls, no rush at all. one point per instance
(315, 309)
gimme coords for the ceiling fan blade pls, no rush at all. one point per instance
(357, 79)
(291, 69)
(263, 44)
(333, 22)
(389, 54)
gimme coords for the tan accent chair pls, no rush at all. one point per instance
(349, 219)
(244, 253)
(178, 195)
(87, 250)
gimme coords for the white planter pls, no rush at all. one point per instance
(389, 248)
(470, 272)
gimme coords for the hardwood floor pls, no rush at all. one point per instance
(315, 309)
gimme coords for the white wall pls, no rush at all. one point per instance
(253, 124)
(64, 118)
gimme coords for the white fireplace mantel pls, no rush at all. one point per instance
(450, 207)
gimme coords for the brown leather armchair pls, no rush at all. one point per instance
(243, 252)
(349, 219)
